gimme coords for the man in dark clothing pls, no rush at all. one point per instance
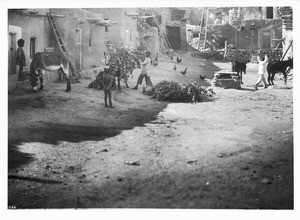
(21, 62)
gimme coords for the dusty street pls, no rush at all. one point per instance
(235, 151)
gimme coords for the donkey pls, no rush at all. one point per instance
(239, 67)
(278, 66)
(49, 61)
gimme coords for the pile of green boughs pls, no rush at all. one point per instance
(121, 64)
(173, 92)
(96, 84)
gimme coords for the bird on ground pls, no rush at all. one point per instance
(183, 72)
(178, 60)
(171, 57)
(156, 59)
(155, 64)
(202, 77)
(174, 68)
(202, 64)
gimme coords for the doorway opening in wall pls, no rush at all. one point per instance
(78, 48)
(269, 13)
(32, 46)
(90, 39)
(266, 39)
(12, 51)
(173, 35)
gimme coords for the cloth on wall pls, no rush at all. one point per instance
(191, 32)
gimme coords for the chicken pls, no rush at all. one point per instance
(178, 60)
(171, 57)
(174, 68)
(155, 64)
(202, 77)
(183, 72)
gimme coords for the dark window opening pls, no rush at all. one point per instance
(32, 46)
(151, 22)
(106, 29)
(269, 12)
(177, 15)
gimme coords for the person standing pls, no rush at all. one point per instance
(262, 69)
(145, 72)
(21, 62)
(107, 82)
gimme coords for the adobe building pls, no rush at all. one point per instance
(124, 31)
(82, 32)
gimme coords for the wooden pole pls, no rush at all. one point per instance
(225, 51)
(201, 23)
(205, 28)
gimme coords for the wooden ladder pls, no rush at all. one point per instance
(144, 44)
(291, 43)
(62, 47)
(203, 35)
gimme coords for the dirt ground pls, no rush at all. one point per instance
(235, 151)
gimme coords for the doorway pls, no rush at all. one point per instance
(266, 39)
(78, 40)
(12, 51)
(32, 47)
(173, 35)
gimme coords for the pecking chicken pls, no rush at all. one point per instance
(202, 77)
(178, 60)
(155, 64)
(183, 72)
(174, 68)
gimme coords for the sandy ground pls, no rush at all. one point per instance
(66, 150)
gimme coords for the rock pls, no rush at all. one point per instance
(47, 167)
(266, 181)
(245, 168)
(70, 169)
(134, 163)
(82, 176)
(191, 161)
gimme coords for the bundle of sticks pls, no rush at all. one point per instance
(243, 56)
(246, 56)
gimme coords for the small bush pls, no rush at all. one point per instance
(173, 92)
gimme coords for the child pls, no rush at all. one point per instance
(21, 62)
(107, 82)
(146, 67)
(262, 68)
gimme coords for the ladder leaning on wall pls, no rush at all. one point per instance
(61, 46)
(202, 35)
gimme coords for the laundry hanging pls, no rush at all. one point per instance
(192, 37)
